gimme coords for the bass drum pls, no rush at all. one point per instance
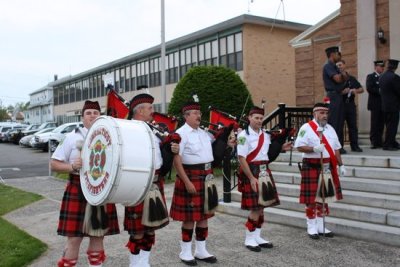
(118, 161)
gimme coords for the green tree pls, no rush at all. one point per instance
(21, 106)
(215, 86)
(3, 114)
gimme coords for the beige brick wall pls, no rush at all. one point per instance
(341, 31)
(268, 65)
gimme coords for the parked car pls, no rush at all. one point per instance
(42, 140)
(32, 139)
(15, 135)
(58, 134)
(39, 127)
(24, 141)
(6, 127)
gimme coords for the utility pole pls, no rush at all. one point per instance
(163, 85)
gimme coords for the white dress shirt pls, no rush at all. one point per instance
(195, 146)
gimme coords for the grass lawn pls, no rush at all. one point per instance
(17, 248)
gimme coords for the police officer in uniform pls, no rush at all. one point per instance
(390, 93)
(351, 88)
(375, 105)
(333, 82)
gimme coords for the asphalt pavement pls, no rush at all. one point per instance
(292, 246)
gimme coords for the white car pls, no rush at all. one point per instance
(55, 136)
(32, 141)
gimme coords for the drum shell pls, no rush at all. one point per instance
(127, 150)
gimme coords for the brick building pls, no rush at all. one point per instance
(257, 48)
(354, 29)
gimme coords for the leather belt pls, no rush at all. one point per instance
(203, 166)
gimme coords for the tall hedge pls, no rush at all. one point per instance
(215, 86)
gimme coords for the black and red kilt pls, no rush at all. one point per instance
(187, 207)
(72, 212)
(133, 215)
(249, 197)
(310, 171)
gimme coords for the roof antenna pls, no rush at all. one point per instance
(276, 15)
(248, 5)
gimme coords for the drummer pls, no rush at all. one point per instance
(141, 235)
(74, 208)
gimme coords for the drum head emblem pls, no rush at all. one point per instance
(97, 160)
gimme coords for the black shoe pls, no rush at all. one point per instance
(330, 234)
(254, 249)
(356, 149)
(190, 263)
(390, 148)
(315, 236)
(211, 259)
(342, 151)
(376, 146)
(266, 245)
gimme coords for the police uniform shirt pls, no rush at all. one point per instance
(67, 150)
(307, 137)
(351, 83)
(330, 70)
(195, 146)
(249, 142)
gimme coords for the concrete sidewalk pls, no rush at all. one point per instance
(292, 247)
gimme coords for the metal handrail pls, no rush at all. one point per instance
(281, 117)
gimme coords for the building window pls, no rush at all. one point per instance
(133, 79)
(127, 79)
(78, 88)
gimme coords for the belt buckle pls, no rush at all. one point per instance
(207, 166)
(209, 177)
(263, 167)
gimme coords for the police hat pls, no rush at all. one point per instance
(332, 49)
(393, 63)
(379, 63)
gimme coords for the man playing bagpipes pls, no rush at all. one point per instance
(319, 177)
(77, 217)
(255, 179)
(195, 196)
(142, 220)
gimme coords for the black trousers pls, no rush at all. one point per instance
(377, 126)
(350, 117)
(336, 113)
(391, 122)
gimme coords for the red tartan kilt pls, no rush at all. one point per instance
(309, 181)
(249, 197)
(72, 212)
(133, 215)
(187, 207)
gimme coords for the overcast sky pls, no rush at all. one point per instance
(41, 38)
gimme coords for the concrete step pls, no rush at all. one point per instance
(355, 171)
(350, 183)
(341, 210)
(387, 161)
(361, 230)
(385, 201)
